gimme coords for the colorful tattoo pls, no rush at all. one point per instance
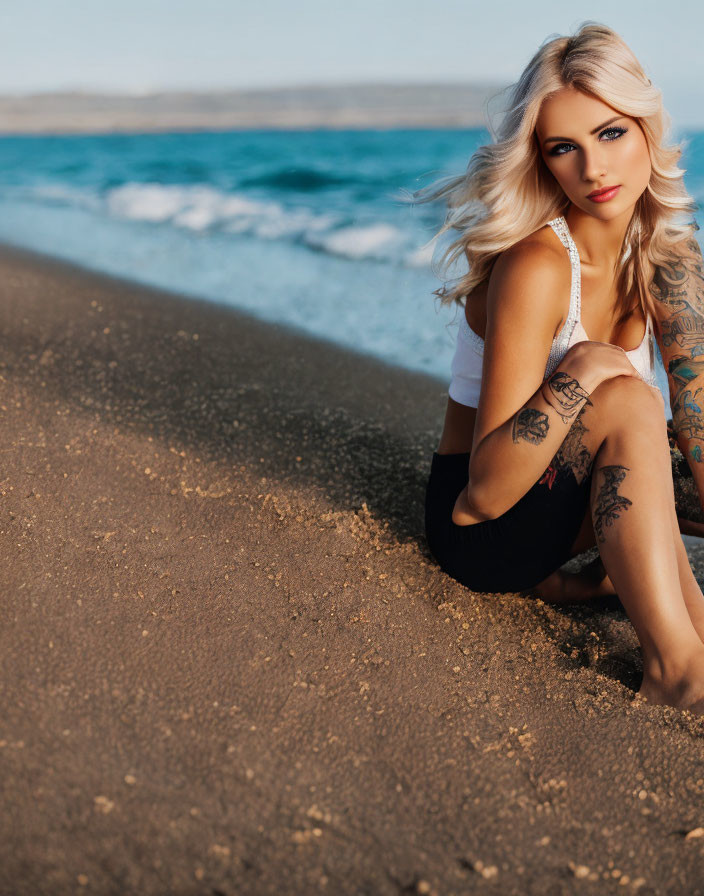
(548, 476)
(565, 395)
(678, 289)
(531, 425)
(609, 505)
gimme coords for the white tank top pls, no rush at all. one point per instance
(466, 367)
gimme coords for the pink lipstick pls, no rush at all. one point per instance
(604, 195)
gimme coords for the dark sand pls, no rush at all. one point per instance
(229, 664)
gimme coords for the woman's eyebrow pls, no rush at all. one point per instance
(567, 139)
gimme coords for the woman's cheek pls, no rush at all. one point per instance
(636, 159)
(565, 177)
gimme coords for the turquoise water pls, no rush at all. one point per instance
(302, 228)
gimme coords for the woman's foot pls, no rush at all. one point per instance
(683, 689)
(575, 587)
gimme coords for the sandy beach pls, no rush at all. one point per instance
(229, 664)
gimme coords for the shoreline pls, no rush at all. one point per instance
(41, 257)
(229, 660)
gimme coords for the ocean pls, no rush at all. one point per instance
(307, 229)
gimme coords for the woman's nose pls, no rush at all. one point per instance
(593, 167)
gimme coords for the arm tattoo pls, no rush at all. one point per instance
(565, 395)
(678, 289)
(609, 505)
(531, 425)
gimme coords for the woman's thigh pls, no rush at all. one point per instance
(552, 521)
(617, 403)
(516, 550)
(620, 403)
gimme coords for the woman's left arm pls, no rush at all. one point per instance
(678, 289)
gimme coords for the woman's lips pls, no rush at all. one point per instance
(604, 197)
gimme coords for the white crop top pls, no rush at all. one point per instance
(466, 367)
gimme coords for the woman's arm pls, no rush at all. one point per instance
(509, 460)
(521, 422)
(678, 289)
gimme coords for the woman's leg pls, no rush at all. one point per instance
(632, 506)
(562, 587)
(692, 593)
(592, 581)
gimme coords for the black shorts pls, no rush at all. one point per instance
(516, 550)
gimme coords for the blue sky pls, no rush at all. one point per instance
(142, 45)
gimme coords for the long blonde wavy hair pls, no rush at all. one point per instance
(508, 192)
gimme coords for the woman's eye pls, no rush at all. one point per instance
(617, 131)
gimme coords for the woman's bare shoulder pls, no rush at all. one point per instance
(539, 258)
(690, 251)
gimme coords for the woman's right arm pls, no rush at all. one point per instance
(521, 420)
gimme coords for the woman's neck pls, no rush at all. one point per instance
(599, 242)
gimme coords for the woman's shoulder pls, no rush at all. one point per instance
(686, 250)
(690, 250)
(539, 261)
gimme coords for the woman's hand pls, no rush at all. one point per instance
(591, 363)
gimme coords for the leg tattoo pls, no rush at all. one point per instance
(609, 504)
(531, 425)
(573, 454)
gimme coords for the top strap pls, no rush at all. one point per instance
(559, 225)
(561, 342)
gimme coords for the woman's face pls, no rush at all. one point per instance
(596, 148)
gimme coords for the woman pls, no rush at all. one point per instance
(555, 437)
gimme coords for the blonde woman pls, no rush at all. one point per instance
(555, 437)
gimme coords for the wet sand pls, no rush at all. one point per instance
(229, 664)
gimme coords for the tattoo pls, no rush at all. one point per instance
(687, 418)
(609, 504)
(531, 425)
(573, 454)
(678, 289)
(565, 395)
(679, 286)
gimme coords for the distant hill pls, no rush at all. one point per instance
(339, 107)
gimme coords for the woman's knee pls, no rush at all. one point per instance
(622, 398)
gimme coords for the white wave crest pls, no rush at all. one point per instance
(202, 207)
(372, 241)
